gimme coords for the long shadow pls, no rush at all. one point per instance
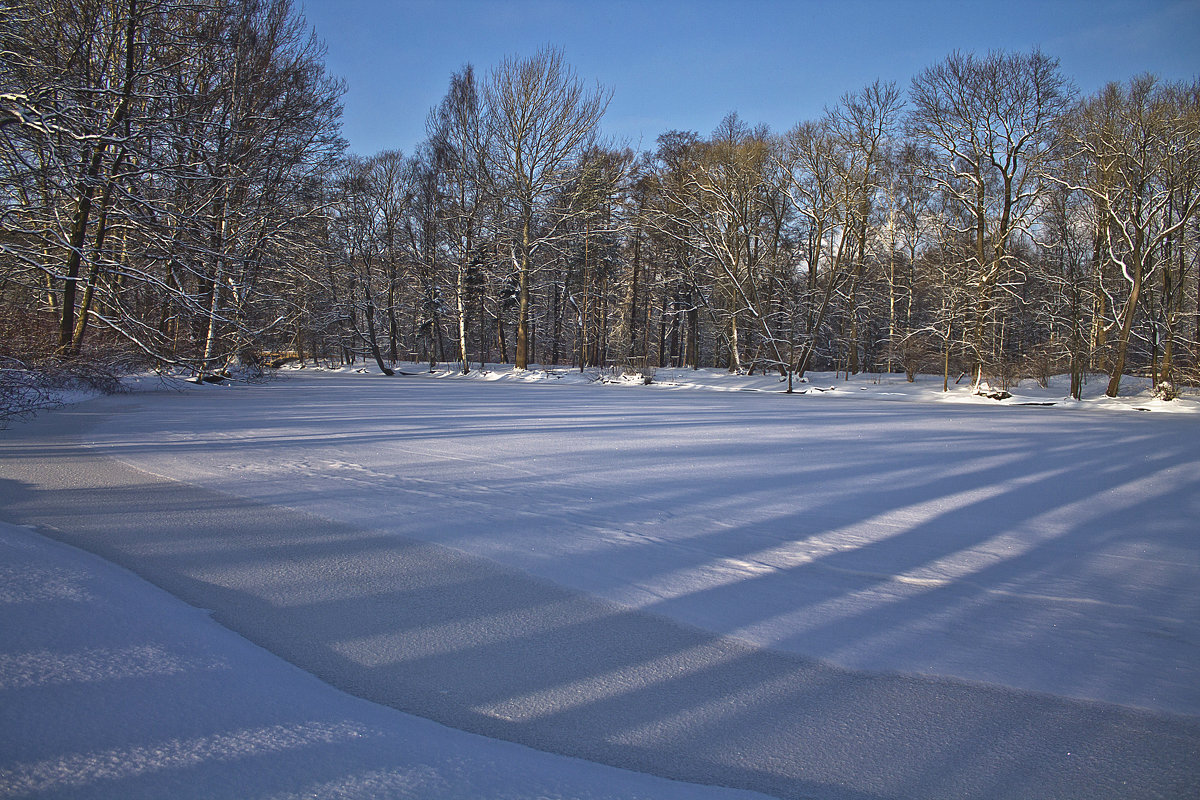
(1052, 563)
(489, 649)
(920, 545)
(1055, 606)
(560, 500)
(593, 680)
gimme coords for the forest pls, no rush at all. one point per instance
(175, 194)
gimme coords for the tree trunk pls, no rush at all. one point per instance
(523, 298)
(1127, 316)
(372, 338)
(460, 291)
(501, 341)
(79, 226)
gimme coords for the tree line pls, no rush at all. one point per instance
(176, 189)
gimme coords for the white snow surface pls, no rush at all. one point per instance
(112, 688)
(1041, 548)
(871, 525)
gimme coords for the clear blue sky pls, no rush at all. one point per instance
(679, 64)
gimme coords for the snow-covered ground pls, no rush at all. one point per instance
(1036, 547)
(112, 688)
(1045, 557)
(1136, 393)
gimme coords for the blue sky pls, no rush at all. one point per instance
(673, 64)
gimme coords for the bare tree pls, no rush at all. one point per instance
(359, 235)
(908, 222)
(159, 160)
(71, 71)
(454, 129)
(834, 171)
(995, 120)
(722, 203)
(539, 118)
(809, 159)
(864, 126)
(1138, 153)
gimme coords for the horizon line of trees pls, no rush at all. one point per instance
(175, 187)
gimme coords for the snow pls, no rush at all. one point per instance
(1136, 393)
(114, 688)
(641, 575)
(881, 537)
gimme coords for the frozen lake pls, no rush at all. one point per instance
(818, 595)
